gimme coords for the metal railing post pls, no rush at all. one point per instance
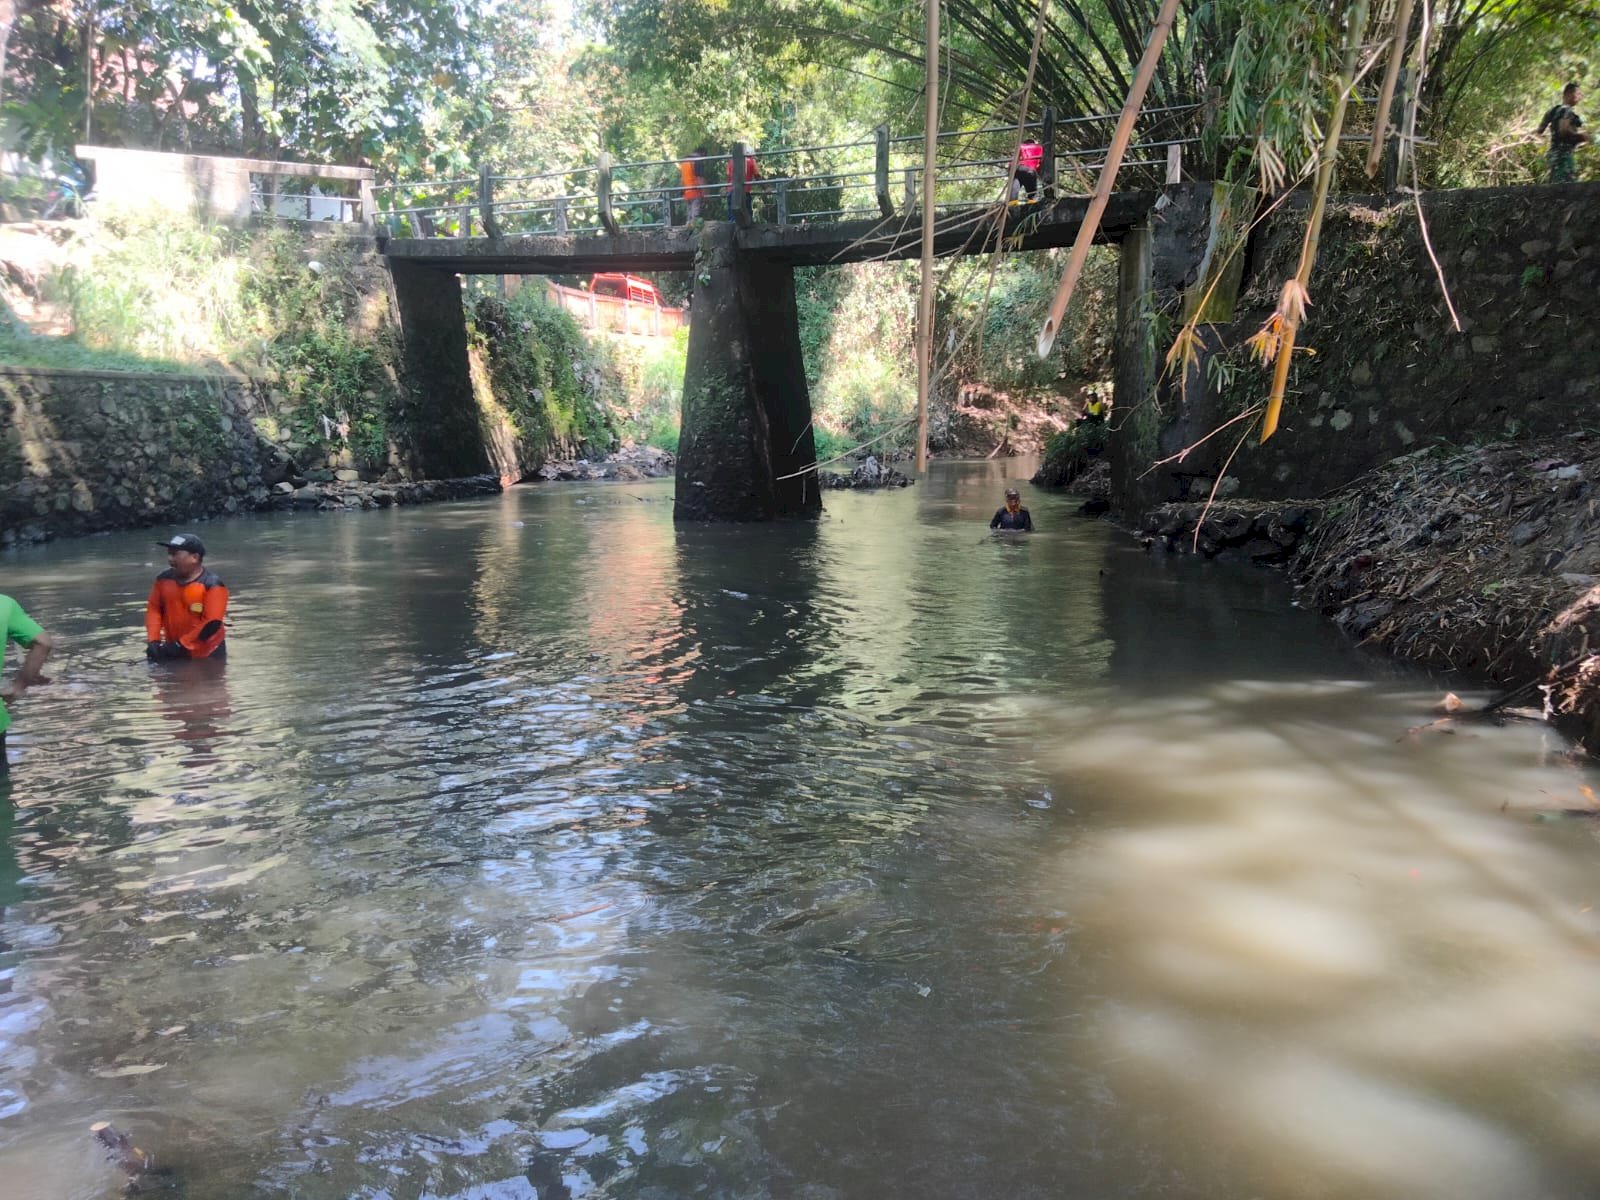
(737, 191)
(911, 187)
(1047, 168)
(1174, 163)
(561, 214)
(602, 191)
(369, 206)
(666, 209)
(783, 201)
(880, 173)
(491, 225)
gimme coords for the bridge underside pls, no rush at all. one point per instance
(962, 232)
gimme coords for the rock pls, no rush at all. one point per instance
(283, 489)
(1361, 619)
(1264, 550)
(347, 475)
(1281, 535)
(1528, 531)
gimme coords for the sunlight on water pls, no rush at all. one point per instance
(535, 848)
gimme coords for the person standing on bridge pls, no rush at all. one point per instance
(183, 617)
(1012, 516)
(16, 626)
(689, 171)
(750, 176)
(1030, 157)
(1566, 135)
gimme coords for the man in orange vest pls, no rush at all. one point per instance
(689, 173)
(183, 617)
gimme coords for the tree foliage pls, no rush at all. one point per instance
(330, 79)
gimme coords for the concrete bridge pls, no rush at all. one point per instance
(746, 428)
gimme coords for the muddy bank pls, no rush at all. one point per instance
(629, 463)
(1484, 560)
(354, 493)
(1267, 532)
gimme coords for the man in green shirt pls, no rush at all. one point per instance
(20, 628)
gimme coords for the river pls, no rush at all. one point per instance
(534, 847)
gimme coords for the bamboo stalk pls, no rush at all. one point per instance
(930, 153)
(1294, 308)
(1108, 176)
(1391, 76)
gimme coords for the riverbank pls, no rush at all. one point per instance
(1484, 561)
(628, 463)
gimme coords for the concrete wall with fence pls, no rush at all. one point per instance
(230, 188)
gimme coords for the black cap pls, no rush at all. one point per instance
(184, 541)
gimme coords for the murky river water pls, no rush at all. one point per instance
(536, 848)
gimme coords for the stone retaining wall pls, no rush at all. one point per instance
(86, 451)
(1384, 372)
(83, 451)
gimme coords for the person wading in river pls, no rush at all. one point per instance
(22, 629)
(183, 617)
(1013, 515)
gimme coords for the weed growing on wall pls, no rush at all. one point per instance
(557, 387)
(326, 343)
(653, 388)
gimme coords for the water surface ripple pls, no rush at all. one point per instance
(536, 848)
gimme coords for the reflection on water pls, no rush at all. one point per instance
(536, 848)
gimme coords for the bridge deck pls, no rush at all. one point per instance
(960, 232)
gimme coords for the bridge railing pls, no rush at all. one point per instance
(874, 176)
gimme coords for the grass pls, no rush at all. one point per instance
(28, 350)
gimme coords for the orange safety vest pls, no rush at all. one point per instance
(691, 181)
(177, 612)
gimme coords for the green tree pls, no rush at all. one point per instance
(334, 79)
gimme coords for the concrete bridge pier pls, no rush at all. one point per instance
(746, 408)
(447, 437)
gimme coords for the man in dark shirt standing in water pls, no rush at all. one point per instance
(1013, 515)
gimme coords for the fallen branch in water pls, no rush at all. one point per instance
(814, 467)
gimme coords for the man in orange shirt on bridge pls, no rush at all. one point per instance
(689, 172)
(183, 617)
